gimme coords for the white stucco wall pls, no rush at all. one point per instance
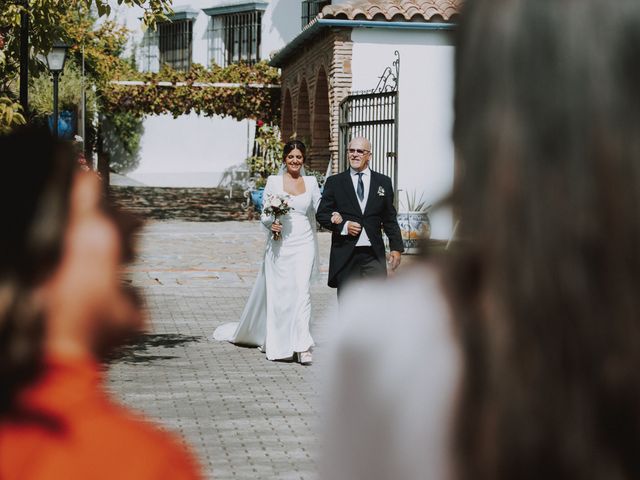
(131, 17)
(192, 150)
(426, 154)
(280, 25)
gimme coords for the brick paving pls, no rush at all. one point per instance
(245, 417)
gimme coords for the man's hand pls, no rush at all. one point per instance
(394, 260)
(354, 229)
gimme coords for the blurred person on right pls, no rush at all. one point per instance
(63, 310)
(515, 356)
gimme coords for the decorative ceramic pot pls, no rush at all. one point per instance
(415, 227)
(256, 198)
(66, 124)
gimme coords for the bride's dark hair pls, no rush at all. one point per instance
(293, 145)
(545, 288)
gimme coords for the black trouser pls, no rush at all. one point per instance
(363, 264)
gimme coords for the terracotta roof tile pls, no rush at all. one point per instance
(398, 10)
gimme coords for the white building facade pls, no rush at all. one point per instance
(426, 157)
(192, 150)
(344, 51)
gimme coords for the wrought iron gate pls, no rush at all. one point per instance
(374, 115)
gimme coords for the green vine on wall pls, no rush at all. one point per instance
(242, 102)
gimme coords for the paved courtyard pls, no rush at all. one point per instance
(244, 416)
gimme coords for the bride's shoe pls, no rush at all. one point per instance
(305, 358)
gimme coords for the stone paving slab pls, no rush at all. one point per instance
(245, 417)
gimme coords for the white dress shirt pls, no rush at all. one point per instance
(363, 239)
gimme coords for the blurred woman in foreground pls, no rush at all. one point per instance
(517, 356)
(62, 309)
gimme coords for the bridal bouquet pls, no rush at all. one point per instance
(277, 205)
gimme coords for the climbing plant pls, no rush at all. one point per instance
(10, 114)
(192, 92)
(101, 45)
(268, 156)
(48, 22)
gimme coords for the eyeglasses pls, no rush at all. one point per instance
(359, 151)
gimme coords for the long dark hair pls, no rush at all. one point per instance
(34, 200)
(546, 286)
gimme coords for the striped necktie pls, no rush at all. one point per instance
(360, 186)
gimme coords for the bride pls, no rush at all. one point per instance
(277, 315)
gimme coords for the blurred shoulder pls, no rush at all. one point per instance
(398, 360)
(405, 308)
(138, 443)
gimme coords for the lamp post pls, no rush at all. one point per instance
(55, 63)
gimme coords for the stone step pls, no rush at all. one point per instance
(187, 204)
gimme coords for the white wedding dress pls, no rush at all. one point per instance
(278, 312)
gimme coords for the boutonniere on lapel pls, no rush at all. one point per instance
(380, 192)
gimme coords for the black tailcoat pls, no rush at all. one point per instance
(380, 214)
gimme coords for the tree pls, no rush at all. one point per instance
(47, 23)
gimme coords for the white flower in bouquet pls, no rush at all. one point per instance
(277, 205)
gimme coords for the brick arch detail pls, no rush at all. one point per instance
(303, 114)
(320, 155)
(287, 116)
(329, 60)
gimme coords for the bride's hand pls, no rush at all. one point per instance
(276, 227)
(336, 218)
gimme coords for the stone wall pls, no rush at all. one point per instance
(188, 204)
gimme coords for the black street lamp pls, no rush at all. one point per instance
(55, 63)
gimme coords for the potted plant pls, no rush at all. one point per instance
(265, 161)
(414, 222)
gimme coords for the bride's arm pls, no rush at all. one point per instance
(316, 196)
(328, 207)
(267, 220)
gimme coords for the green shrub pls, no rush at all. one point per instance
(69, 92)
(269, 155)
